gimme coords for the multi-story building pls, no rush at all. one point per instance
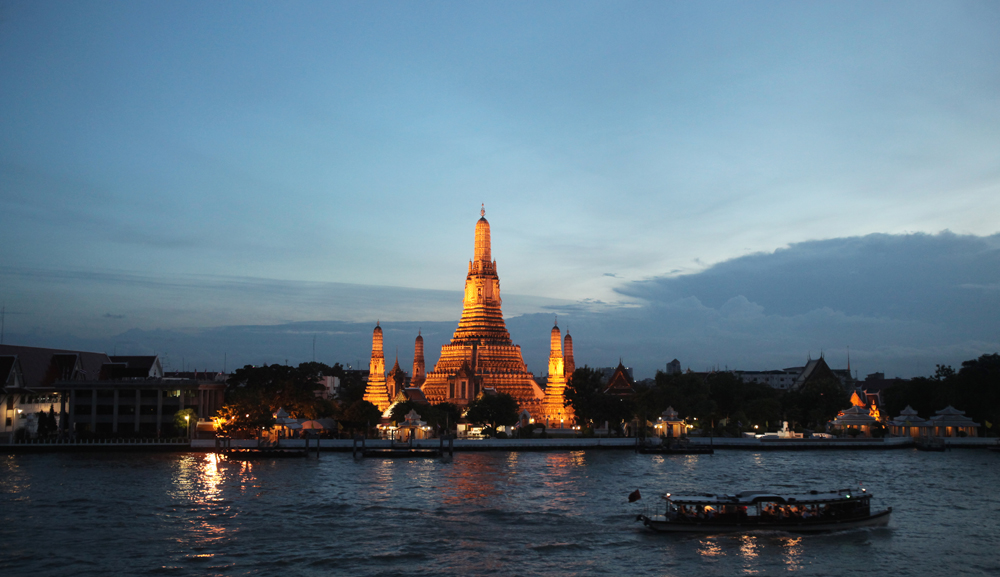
(92, 393)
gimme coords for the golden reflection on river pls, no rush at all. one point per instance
(750, 548)
(474, 483)
(793, 553)
(749, 551)
(199, 483)
(710, 548)
(13, 480)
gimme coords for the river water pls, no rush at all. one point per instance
(495, 513)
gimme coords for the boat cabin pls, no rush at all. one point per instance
(760, 507)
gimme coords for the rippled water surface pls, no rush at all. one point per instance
(545, 513)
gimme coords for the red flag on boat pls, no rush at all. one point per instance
(634, 496)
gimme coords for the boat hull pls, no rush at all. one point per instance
(660, 525)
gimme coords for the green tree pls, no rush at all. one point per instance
(243, 419)
(976, 390)
(184, 419)
(400, 410)
(43, 425)
(762, 410)
(493, 409)
(360, 415)
(51, 421)
(352, 388)
(273, 386)
(817, 403)
(592, 406)
(943, 373)
(448, 416)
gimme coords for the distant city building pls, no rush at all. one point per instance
(782, 379)
(794, 378)
(674, 367)
(125, 367)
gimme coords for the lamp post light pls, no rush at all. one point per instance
(187, 425)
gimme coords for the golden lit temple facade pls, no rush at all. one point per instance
(376, 392)
(481, 353)
(554, 412)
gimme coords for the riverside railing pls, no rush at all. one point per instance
(131, 441)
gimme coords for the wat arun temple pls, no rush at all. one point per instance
(481, 357)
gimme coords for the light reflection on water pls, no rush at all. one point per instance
(547, 513)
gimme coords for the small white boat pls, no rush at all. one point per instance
(811, 512)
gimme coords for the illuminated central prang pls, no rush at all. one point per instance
(481, 354)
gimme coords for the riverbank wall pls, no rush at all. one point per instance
(551, 444)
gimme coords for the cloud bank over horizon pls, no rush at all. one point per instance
(902, 303)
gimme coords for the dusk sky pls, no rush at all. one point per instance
(738, 184)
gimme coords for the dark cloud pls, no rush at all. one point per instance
(111, 316)
(902, 303)
(918, 277)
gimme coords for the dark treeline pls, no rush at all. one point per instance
(726, 405)
(254, 394)
(974, 388)
(717, 401)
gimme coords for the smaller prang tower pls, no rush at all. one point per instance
(554, 412)
(419, 371)
(376, 392)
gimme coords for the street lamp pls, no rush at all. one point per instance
(187, 424)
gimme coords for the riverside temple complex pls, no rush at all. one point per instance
(481, 355)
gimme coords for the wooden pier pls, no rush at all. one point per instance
(446, 449)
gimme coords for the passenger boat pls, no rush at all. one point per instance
(814, 511)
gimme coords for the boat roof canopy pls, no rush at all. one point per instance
(753, 497)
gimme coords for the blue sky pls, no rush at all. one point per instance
(179, 166)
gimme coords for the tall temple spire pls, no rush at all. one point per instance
(481, 353)
(482, 251)
(482, 319)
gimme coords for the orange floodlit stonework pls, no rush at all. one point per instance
(872, 408)
(481, 354)
(554, 412)
(376, 392)
(419, 373)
